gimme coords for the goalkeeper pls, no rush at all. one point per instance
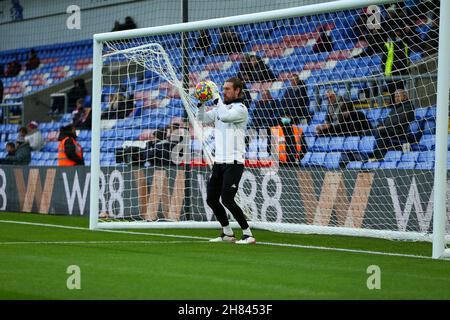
(230, 120)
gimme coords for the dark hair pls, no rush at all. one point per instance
(67, 129)
(10, 144)
(348, 106)
(160, 134)
(237, 83)
(23, 129)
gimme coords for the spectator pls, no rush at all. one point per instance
(265, 115)
(119, 107)
(253, 69)
(295, 101)
(33, 61)
(117, 26)
(1, 91)
(359, 28)
(82, 117)
(70, 152)
(324, 42)
(395, 61)
(20, 155)
(13, 68)
(431, 41)
(247, 96)
(335, 103)
(10, 150)
(229, 43)
(129, 24)
(350, 123)
(22, 133)
(294, 110)
(16, 11)
(160, 153)
(418, 9)
(376, 35)
(76, 92)
(203, 42)
(394, 128)
(76, 114)
(413, 39)
(34, 137)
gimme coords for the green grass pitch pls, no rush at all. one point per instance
(145, 264)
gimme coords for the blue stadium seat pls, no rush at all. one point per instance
(13, 128)
(429, 127)
(426, 156)
(310, 142)
(111, 145)
(431, 112)
(321, 144)
(367, 144)
(310, 131)
(415, 128)
(49, 155)
(354, 165)
(384, 113)
(305, 161)
(371, 165)
(83, 135)
(317, 159)
(388, 165)
(107, 134)
(393, 156)
(421, 113)
(427, 142)
(86, 145)
(36, 155)
(425, 166)
(319, 117)
(406, 165)
(333, 160)
(351, 143)
(373, 115)
(410, 156)
(336, 144)
(51, 146)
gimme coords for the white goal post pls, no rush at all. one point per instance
(145, 67)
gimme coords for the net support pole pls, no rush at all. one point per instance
(95, 147)
(185, 73)
(440, 171)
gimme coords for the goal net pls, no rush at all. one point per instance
(341, 137)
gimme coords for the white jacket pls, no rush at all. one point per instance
(230, 121)
(35, 140)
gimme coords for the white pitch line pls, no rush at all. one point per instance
(95, 242)
(278, 244)
(103, 230)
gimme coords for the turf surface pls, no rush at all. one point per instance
(144, 264)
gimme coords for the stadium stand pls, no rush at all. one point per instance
(66, 60)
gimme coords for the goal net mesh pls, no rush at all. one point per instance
(341, 131)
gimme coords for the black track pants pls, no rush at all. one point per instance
(224, 184)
